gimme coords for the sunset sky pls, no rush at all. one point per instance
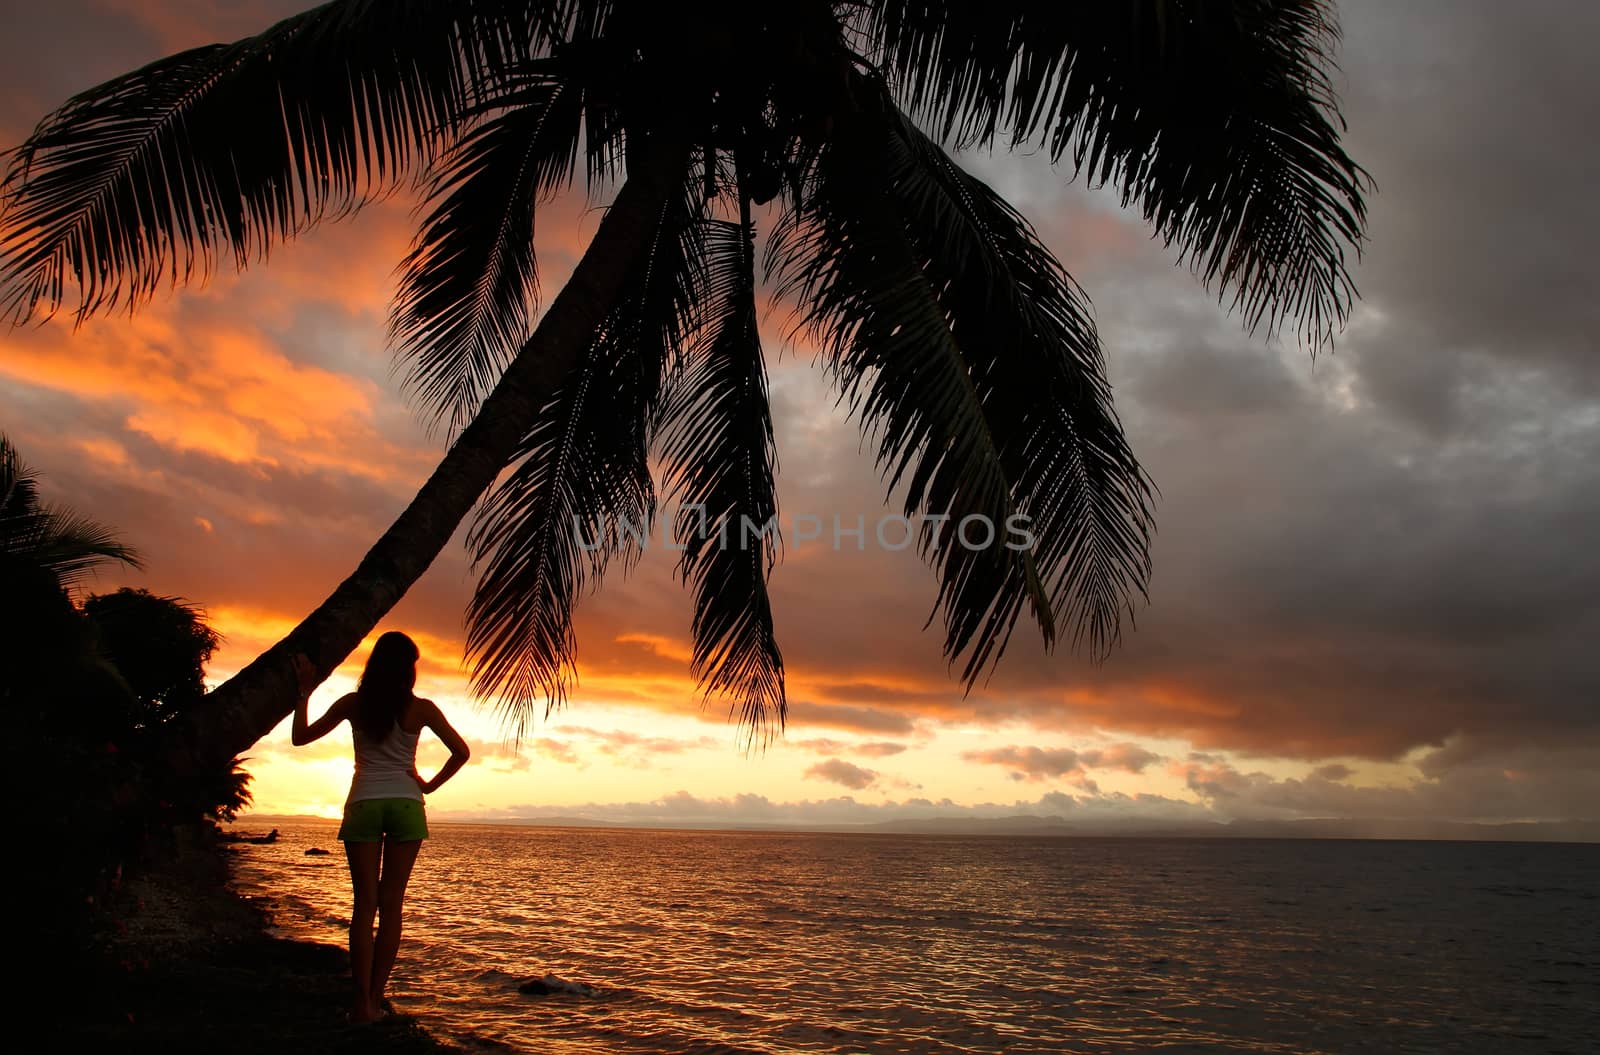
(1376, 589)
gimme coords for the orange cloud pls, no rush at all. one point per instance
(1030, 763)
(203, 385)
(838, 771)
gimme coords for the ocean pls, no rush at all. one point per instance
(766, 942)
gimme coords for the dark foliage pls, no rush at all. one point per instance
(89, 694)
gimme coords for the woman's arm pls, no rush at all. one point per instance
(434, 719)
(302, 732)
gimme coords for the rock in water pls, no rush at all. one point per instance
(551, 984)
(317, 851)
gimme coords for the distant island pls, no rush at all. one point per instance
(1031, 825)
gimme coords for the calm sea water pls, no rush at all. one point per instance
(763, 943)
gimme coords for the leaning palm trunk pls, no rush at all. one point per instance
(247, 706)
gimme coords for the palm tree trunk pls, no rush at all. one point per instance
(247, 706)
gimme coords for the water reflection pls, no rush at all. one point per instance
(763, 942)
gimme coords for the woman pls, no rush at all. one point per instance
(384, 822)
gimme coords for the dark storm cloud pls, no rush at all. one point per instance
(1391, 545)
(1474, 118)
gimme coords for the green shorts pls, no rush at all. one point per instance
(371, 820)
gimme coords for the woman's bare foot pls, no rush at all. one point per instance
(365, 1012)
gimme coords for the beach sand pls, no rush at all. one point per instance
(192, 967)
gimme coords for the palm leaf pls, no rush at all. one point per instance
(469, 285)
(61, 542)
(19, 488)
(719, 461)
(846, 259)
(1027, 332)
(968, 352)
(71, 546)
(1215, 117)
(555, 521)
(229, 148)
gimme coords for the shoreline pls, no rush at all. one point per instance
(1028, 826)
(192, 965)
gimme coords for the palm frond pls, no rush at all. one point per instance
(719, 465)
(583, 480)
(71, 546)
(19, 485)
(847, 261)
(969, 352)
(469, 285)
(229, 148)
(65, 544)
(1216, 118)
(1033, 345)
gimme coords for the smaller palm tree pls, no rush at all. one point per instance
(57, 541)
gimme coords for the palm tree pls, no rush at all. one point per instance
(55, 545)
(963, 348)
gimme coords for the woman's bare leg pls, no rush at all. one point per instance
(363, 858)
(398, 857)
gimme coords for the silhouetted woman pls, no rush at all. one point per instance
(384, 821)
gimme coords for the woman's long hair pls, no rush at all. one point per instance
(386, 685)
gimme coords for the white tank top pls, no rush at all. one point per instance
(384, 767)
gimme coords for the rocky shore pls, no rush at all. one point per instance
(189, 965)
